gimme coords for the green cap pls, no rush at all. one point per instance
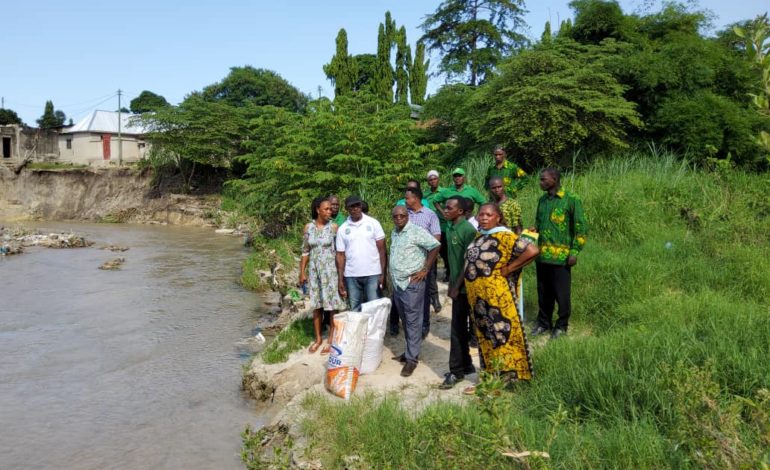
(458, 171)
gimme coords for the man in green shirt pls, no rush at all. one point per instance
(337, 216)
(510, 172)
(460, 234)
(562, 226)
(433, 191)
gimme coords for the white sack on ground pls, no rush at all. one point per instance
(344, 365)
(375, 334)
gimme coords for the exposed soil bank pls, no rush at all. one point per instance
(98, 194)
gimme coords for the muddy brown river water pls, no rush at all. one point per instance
(136, 368)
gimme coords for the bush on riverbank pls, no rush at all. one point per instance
(666, 362)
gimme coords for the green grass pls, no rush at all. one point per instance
(296, 336)
(666, 365)
(266, 255)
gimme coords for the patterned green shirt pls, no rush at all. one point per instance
(511, 213)
(408, 251)
(511, 174)
(562, 226)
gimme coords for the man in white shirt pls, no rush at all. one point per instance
(360, 255)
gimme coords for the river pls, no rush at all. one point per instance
(136, 368)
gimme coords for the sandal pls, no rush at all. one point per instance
(314, 347)
(326, 350)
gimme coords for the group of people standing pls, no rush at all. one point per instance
(344, 263)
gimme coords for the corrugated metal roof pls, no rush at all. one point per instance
(106, 121)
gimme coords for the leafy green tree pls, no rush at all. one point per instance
(723, 128)
(418, 75)
(547, 37)
(451, 114)
(549, 102)
(197, 132)
(596, 20)
(403, 65)
(9, 116)
(366, 68)
(51, 118)
(756, 38)
(383, 80)
(356, 144)
(248, 86)
(472, 36)
(342, 70)
(147, 101)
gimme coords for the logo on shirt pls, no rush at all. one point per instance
(368, 228)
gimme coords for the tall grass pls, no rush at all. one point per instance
(668, 360)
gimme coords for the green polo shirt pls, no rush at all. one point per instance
(431, 198)
(458, 236)
(340, 218)
(562, 226)
(511, 174)
(468, 191)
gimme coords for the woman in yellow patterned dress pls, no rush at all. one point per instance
(490, 259)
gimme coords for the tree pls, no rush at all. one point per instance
(474, 35)
(147, 101)
(383, 80)
(342, 70)
(247, 86)
(547, 36)
(124, 110)
(366, 68)
(596, 20)
(197, 132)
(356, 144)
(756, 39)
(549, 102)
(51, 118)
(9, 116)
(418, 75)
(403, 65)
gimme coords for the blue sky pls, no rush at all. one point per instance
(79, 53)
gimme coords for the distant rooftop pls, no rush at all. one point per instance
(106, 121)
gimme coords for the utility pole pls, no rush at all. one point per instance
(120, 140)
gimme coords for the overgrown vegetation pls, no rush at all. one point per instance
(299, 334)
(666, 363)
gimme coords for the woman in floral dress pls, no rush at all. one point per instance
(492, 257)
(318, 256)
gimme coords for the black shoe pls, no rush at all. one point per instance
(409, 367)
(469, 370)
(450, 380)
(558, 333)
(400, 358)
(538, 330)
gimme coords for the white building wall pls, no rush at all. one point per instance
(87, 149)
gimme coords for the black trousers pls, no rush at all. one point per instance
(459, 351)
(553, 287)
(432, 287)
